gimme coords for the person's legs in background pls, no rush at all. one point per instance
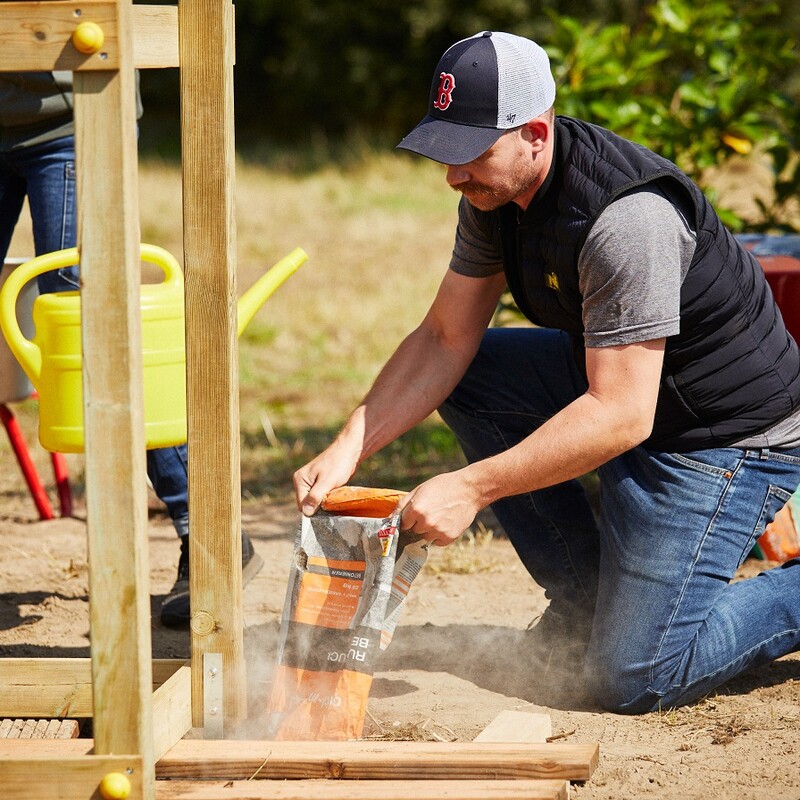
(167, 468)
(46, 173)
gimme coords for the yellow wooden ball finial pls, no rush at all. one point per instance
(115, 786)
(88, 37)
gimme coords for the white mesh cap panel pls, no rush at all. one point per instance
(526, 87)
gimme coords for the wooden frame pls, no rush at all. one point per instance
(38, 36)
(241, 770)
(140, 707)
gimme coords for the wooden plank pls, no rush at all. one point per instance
(364, 790)
(240, 760)
(46, 687)
(75, 778)
(58, 687)
(155, 36)
(243, 760)
(44, 748)
(39, 729)
(64, 729)
(116, 497)
(212, 381)
(38, 36)
(517, 726)
(172, 711)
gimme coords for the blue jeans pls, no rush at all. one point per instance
(46, 174)
(654, 570)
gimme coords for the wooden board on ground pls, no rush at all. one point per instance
(363, 790)
(245, 760)
(517, 726)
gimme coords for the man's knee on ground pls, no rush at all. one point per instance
(620, 687)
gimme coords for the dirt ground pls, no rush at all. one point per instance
(457, 659)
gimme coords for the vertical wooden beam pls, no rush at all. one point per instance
(206, 55)
(105, 119)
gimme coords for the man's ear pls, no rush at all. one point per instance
(537, 133)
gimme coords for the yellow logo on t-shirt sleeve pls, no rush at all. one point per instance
(551, 281)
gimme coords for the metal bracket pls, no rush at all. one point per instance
(212, 696)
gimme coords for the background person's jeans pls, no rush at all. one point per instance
(46, 174)
(669, 626)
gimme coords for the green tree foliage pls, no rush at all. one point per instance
(699, 81)
(696, 82)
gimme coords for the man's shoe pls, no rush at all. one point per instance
(558, 647)
(175, 610)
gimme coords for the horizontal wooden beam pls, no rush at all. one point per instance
(155, 36)
(58, 687)
(37, 36)
(54, 749)
(67, 778)
(362, 760)
(364, 790)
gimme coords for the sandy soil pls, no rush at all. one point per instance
(457, 659)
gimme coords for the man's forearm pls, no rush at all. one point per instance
(413, 383)
(580, 438)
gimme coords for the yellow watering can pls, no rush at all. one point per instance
(52, 359)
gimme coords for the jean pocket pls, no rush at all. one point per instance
(721, 462)
(775, 500)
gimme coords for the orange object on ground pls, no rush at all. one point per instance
(362, 501)
(780, 540)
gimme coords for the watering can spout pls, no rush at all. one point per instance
(53, 358)
(265, 286)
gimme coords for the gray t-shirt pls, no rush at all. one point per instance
(630, 271)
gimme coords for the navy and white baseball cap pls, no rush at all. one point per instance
(482, 87)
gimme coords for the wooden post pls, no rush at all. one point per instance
(116, 500)
(206, 55)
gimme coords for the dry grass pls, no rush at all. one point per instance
(378, 235)
(467, 556)
(378, 238)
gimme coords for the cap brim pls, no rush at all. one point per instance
(449, 142)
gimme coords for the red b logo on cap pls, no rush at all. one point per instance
(444, 94)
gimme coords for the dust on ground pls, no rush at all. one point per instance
(456, 661)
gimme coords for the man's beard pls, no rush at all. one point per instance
(488, 198)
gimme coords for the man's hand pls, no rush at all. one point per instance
(440, 509)
(332, 468)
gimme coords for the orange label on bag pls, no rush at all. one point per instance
(329, 592)
(320, 705)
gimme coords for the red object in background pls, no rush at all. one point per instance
(783, 276)
(35, 487)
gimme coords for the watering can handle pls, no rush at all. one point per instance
(26, 352)
(266, 285)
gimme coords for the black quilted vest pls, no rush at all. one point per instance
(733, 370)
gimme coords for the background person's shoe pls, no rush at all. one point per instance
(175, 610)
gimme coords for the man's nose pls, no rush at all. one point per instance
(456, 174)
